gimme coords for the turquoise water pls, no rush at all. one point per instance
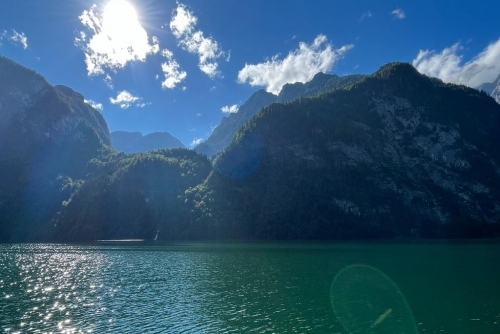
(450, 287)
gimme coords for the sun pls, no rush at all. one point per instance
(116, 36)
(119, 18)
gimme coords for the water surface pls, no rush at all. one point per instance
(451, 287)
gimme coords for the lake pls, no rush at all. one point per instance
(136, 287)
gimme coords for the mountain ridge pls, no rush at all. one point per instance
(47, 136)
(133, 142)
(395, 155)
(223, 134)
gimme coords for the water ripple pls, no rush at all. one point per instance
(183, 288)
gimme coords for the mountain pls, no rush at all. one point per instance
(320, 83)
(131, 142)
(47, 136)
(223, 134)
(492, 88)
(395, 155)
(132, 196)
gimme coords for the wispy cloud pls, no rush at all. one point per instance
(110, 41)
(399, 13)
(183, 26)
(108, 81)
(17, 38)
(299, 65)
(196, 141)
(125, 100)
(366, 15)
(94, 104)
(448, 65)
(230, 109)
(171, 71)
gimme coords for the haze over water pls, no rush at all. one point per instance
(451, 287)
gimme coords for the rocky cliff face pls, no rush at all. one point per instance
(132, 142)
(397, 154)
(492, 88)
(28, 104)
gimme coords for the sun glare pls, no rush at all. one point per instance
(119, 17)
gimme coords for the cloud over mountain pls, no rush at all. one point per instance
(230, 109)
(299, 65)
(448, 65)
(125, 100)
(95, 105)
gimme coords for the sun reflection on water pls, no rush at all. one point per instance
(44, 287)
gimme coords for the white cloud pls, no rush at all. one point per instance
(183, 24)
(196, 141)
(299, 65)
(125, 100)
(94, 104)
(399, 13)
(230, 109)
(171, 71)
(108, 81)
(113, 37)
(15, 37)
(448, 65)
(19, 38)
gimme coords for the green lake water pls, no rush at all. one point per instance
(449, 287)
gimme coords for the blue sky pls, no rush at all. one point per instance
(161, 65)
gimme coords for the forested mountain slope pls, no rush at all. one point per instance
(397, 154)
(223, 134)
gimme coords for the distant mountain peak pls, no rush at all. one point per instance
(132, 142)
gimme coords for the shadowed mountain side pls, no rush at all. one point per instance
(392, 155)
(132, 196)
(47, 135)
(396, 154)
